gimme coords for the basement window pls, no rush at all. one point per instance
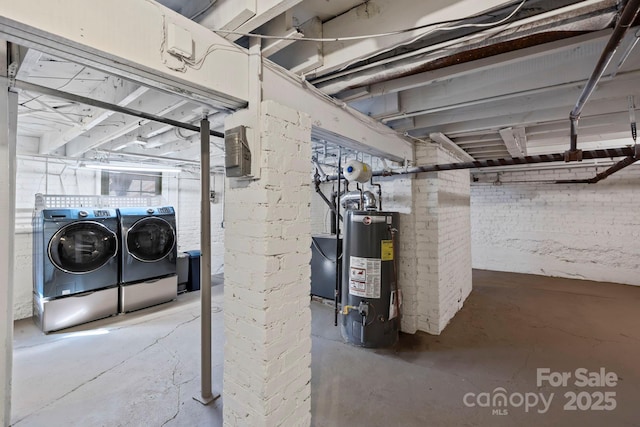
(127, 184)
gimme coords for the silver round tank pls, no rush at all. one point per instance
(369, 315)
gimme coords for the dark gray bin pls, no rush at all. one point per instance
(193, 283)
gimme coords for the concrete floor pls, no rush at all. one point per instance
(143, 368)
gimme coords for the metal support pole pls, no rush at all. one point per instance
(338, 290)
(206, 395)
(8, 126)
(625, 21)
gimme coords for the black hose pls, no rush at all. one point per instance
(324, 198)
(338, 289)
(334, 203)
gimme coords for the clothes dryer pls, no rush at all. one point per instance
(75, 263)
(148, 274)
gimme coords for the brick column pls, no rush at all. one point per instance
(435, 248)
(267, 352)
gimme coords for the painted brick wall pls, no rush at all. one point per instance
(436, 258)
(584, 231)
(36, 176)
(183, 191)
(267, 353)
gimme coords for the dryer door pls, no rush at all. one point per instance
(82, 247)
(150, 239)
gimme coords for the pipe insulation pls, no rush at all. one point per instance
(543, 158)
(628, 161)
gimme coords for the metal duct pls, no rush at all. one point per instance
(351, 200)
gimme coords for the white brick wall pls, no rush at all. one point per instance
(436, 258)
(35, 176)
(267, 315)
(584, 231)
(183, 192)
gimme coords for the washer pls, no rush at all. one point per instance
(75, 266)
(148, 274)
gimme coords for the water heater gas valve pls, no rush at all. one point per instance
(363, 309)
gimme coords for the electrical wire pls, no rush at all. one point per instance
(186, 63)
(57, 88)
(386, 34)
(441, 50)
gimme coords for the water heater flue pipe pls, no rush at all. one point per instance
(354, 196)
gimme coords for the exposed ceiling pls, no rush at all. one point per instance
(498, 78)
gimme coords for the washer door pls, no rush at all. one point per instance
(82, 247)
(150, 239)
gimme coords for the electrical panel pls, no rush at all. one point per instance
(237, 152)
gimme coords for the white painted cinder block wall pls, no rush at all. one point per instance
(34, 175)
(37, 176)
(584, 231)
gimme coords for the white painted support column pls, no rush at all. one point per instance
(267, 352)
(435, 245)
(8, 124)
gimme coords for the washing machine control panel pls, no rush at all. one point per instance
(83, 214)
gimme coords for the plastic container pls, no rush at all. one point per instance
(357, 171)
(193, 283)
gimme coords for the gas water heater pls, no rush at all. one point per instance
(370, 304)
